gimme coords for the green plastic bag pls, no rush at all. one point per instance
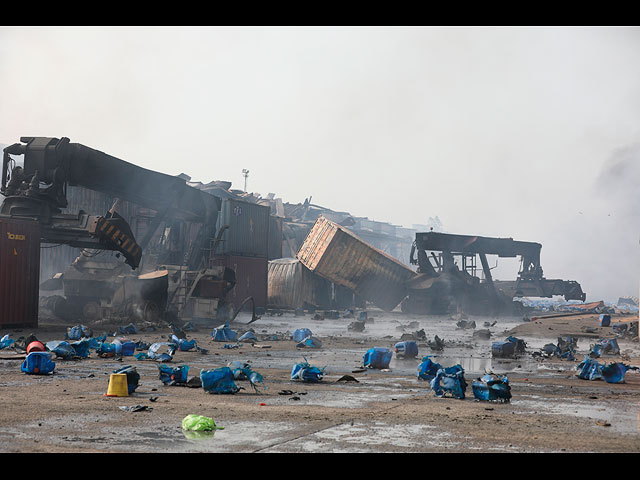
(199, 423)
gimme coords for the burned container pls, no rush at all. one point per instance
(291, 285)
(19, 272)
(244, 228)
(335, 253)
(250, 277)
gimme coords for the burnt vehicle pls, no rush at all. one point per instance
(448, 278)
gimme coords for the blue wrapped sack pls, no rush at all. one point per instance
(377, 357)
(450, 380)
(219, 380)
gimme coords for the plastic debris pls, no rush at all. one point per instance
(309, 341)
(223, 334)
(605, 346)
(173, 375)
(62, 349)
(248, 337)
(437, 344)
(466, 324)
(124, 347)
(492, 387)
(451, 381)
(428, 369)
(377, 357)
(161, 351)
(565, 349)
(6, 341)
(591, 369)
(128, 329)
(133, 377)
(183, 344)
(407, 349)
(78, 332)
(605, 320)
(199, 423)
(300, 334)
(243, 371)
(219, 380)
(38, 363)
(305, 372)
(510, 348)
(137, 408)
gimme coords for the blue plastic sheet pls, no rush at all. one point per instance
(450, 381)
(300, 334)
(428, 369)
(492, 387)
(307, 373)
(6, 341)
(377, 357)
(156, 354)
(38, 363)
(219, 380)
(81, 348)
(173, 375)
(605, 346)
(224, 334)
(589, 369)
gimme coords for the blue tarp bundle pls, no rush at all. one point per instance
(62, 349)
(155, 354)
(300, 334)
(219, 380)
(428, 369)
(305, 372)
(38, 363)
(589, 369)
(450, 380)
(173, 375)
(223, 334)
(377, 357)
(492, 387)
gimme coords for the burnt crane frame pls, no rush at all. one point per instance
(529, 282)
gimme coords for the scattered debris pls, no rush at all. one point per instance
(492, 387)
(347, 378)
(509, 348)
(437, 344)
(356, 326)
(218, 381)
(377, 357)
(484, 334)
(451, 381)
(407, 349)
(305, 372)
(137, 408)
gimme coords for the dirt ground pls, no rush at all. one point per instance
(551, 410)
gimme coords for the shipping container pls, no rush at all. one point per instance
(275, 237)
(19, 272)
(292, 285)
(335, 253)
(247, 234)
(251, 278)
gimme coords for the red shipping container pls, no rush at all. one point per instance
(251, 278)
(19, 272)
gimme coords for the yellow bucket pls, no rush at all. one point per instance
(117, 385)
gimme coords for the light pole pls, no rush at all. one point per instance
(245, 172)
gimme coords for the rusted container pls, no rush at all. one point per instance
(292, 285)
(251, 278)
(19, 272)
(248, 232)
(338, 255)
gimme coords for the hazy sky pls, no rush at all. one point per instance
(530, 133)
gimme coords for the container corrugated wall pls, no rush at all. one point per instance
(248, 232)
(19, 272)
(251, 278)
(338, 255)
(290, 284)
